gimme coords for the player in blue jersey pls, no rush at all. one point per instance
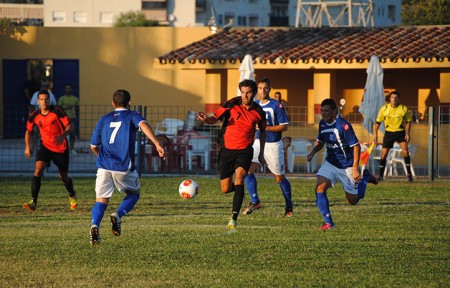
(277, 122)
(343, 151)
(113, 142)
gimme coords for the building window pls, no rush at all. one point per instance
(391, 12)
(228, 19)
(59, 16)
(106, 17)
(242, 21)
(79, 17)
(253, 21)
(154, 5)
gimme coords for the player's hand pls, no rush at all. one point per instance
(201, 116)
(28, 152)
(407, 137)
(356, 175)
(309, 157)
(261, 160)
(60, 139)
(161, 152)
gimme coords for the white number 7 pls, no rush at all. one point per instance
(116, 126)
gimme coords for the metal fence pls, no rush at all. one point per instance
(187, 156)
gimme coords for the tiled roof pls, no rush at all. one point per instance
(427, 43)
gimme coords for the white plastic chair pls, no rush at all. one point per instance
(169, 127)
(301, 148)
(398, 158)
(200, 147)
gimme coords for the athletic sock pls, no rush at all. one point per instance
(408, 165)
(382, 167)
(252, 187)
(35, 187)
(362, 186)
(69, 187)
(127, 204)
(237, 200)
(324, 207)
(97, 213)
(285, 186)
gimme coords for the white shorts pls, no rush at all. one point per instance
(123, 181)
(345, 176)
(273, 154)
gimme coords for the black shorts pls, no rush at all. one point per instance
(61, 160)
(229, 160)
(391, 137)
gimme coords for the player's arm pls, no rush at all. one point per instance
(94, 150)
(148, 131)
(28, 136)
(262, 142)
(318, 145)
(60, 139)
(407, 131)
(356, 152)
(207, 119)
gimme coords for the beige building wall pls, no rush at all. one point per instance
(113, 58)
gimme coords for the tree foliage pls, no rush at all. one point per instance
(133, 19)
(431, 12)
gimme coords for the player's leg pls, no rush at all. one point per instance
(226, 170)
(130, 184)
(276, 164)
(407, 158)
(251, 183)
(238, 196)
(43, 159)
(104, 188)
(61, 161)
(325, 179)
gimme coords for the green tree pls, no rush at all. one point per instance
(431, 12)
(133, 19)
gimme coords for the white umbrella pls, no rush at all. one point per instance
(246, 70)
(373, 98)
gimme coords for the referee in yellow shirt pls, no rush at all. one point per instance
(397, 121)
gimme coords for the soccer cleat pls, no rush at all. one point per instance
(326, 226)
(380, 179)
(116, 229)
(410, 178)
(73, 203)
(232, 224)
(372, 179)
(251, 208)
(289, 212)
(31, 205)
(94, 235)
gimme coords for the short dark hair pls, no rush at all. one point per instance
(121, 98)
(249, 83)
(395, 92)
(264, 80)
(43, 91)
(329, 102)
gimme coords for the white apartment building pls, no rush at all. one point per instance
(189, 13)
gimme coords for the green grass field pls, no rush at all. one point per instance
(398, 236)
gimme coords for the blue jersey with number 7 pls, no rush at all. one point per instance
(115, 133)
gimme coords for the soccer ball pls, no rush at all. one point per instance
(188, 189)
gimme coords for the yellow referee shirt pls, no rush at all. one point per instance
(394, 118)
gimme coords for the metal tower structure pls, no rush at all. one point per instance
(334, 13)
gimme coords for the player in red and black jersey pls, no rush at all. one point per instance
(240, 117)
(54, 126)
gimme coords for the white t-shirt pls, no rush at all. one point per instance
(34, 99)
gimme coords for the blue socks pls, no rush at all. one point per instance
(127, 204)
(252, 187)
(285, 186)
(324, 207)
(362, 186)
(97, 213)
